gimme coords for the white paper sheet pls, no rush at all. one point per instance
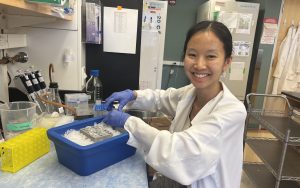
(241, 48)
(244, 23)
(270, 31)
(229, 19)
(152, 17)
(237, 71)
(120, 30)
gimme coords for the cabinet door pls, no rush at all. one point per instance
(149, 60)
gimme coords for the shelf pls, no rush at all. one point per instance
(269, 151)
(279, 126)
(262, 178)
(20, 7)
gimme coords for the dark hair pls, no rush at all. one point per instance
(218, 28)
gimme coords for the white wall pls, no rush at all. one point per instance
(47, 43)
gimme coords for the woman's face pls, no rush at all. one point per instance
(204, 60)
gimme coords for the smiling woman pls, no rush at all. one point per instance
(204, 145)
(207, 50)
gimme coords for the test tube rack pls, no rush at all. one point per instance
(23, 149)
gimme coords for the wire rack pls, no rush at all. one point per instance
(279, 156)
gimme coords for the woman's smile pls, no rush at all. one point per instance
(200, 75)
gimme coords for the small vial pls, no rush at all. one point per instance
(99, 109)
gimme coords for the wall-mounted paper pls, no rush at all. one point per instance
(237, 71)
(152, 17)
(270, 31)
(241, 48)
(120, 30)
(229, 19)
(244, 23)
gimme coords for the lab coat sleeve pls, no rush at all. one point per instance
(281, 59)
(141, 135)
(189, 155)
(158, 100)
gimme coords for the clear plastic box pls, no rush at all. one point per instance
(79, 101)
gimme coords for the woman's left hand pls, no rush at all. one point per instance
(116, 118)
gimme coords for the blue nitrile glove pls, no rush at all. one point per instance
(123, 97)
(116, 118)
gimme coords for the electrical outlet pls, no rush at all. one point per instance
(171, 71)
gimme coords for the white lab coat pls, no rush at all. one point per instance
(283, 55)
(208, 154)
(288, 80)
(293, 70)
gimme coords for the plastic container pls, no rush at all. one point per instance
(17, 117)
(54, 97)
(23, 149)
(99, 109)
(79, 101)
(85, 160)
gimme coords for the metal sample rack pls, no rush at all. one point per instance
(280, 167)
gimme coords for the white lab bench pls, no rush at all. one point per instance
(48, 172)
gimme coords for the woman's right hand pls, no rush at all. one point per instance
(123, 97)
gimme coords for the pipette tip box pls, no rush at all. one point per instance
(85, 160)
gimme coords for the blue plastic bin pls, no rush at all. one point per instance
(85, 160)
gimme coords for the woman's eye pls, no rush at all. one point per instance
(192, 55)
(211, 56)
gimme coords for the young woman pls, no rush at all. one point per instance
(204, 146)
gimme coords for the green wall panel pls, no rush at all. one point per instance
(179, 19)
(183, 15)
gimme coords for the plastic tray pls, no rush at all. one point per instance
(85, 160)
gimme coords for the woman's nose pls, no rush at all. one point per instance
(200, 63)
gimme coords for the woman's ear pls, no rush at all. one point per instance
(228, 61)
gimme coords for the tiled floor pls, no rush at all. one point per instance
(250, 156)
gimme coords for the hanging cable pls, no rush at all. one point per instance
(51, 70)
(9, 78)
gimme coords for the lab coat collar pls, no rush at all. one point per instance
(185, 105)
